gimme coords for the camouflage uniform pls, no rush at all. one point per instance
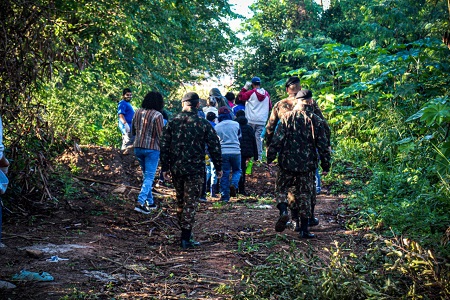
(183, 153)
(278, 111)
(296, 189)
(284, 106)
(295, 141)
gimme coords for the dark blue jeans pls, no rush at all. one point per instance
(230, 163)
(1, 209)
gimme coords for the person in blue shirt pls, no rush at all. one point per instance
(211, 175)
(239, 105)
(126, 112)
(4, 165)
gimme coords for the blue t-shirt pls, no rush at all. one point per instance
(201, 114)
(238, 108)
(126, 110)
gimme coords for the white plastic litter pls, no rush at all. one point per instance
(6, 285)
(264, 206)
(55, 258)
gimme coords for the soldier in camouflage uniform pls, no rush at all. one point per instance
(280, 108)
(296, 139)
(183, 154)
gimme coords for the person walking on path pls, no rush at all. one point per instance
(210, 169)
(211, 104)
(257, 108)
(147, 126)
(248, 147)
(183, 155)
(126, 112)
(215, 94)
(4, 166)
(296, 141)
(293, 86)
(240, 105)
(229, 133)
(230, 96)
(280, 108)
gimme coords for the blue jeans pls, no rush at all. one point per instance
(148, 159)
(230, 162)
(1, 212)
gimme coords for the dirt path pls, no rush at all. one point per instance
(128, 255)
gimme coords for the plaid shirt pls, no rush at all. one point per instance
(147, 126)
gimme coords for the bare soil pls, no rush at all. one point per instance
(138, 256)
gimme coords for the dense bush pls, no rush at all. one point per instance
(388, 269)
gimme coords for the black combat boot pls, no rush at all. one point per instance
(313, 221)
(281, 224)
(295, 217)
(304, 233)
(186, 239)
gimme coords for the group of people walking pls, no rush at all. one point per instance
(198, 145)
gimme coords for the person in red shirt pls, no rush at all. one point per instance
(257, 108)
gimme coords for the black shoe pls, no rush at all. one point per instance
(142, 209)
(233, 191)
(243, 193)
(306, 235)
(281, 224)
(152, 206)
(313, 222)
(213, 190)
(189, 244)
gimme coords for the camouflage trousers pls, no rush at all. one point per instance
(188, 189)
(296, 189)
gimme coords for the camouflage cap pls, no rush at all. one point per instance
(304, 95)
(292, 80)
(190, 97)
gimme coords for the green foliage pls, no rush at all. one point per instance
(389, 269)
(367, 94)
(276, 27)
(385, 22)
(65, 63)
(404, 201)
(345, 176)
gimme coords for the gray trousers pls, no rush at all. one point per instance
(258, 129)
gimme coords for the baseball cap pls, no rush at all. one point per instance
(191, 96)
(256, 80)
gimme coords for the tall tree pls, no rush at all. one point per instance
(63, 61)
(274, 27)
